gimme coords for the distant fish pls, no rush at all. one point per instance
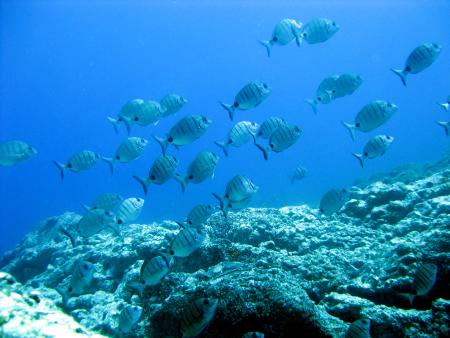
(197, 316)
(253, 335)
(127, 113)
(267, 128)
(299, 174)
(172, 103)
(371, 116)
(347, 84)
(318, 30)
(128, 317)
(13, 152)
(332, 201)
(283, 33)
(82, 160)
(250, 96)
(129, 210)
(107, 201)
(420, 58)
(185, 131)
(324, 93)
(187, 241)
(239, 134)
(359, 329)
(94, 221)
(129, 150)
(199, 214)
(238, 194)
(82, 274)
(424, 280)
(201, 168)
(282, 138)
(446, 104)
(445, 125)
(376, 147)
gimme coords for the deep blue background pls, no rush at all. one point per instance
(66, 65)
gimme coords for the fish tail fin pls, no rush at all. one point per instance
(64, 296)
(351, 128)
(163, 143)
(445, 105)
(360, 158)
(223, 146)
(264, 150)
(409, 296)
(446, 126)
(313, 104)
(268, 44)
(401, 73)
(115, 123)
(297, 30)
(183, 180)
(229, 108)
(222, 204)
(136, 286)
(72, 238)
(110, 162)
(143, 181)
(61, 168)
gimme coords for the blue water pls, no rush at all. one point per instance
(65, 66)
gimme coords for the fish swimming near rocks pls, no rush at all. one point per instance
(14, 152)
(82, 160)
(359, 329)
(239, 134)
(197, 316)
(420, 58)
(129, 150)
(374, 148)
(318, 30)
(94, 221)
(81, 278)
(424, 280)
(333, 200)
(107, 201)
(346, 84)
(199, 214)
(283, 33)
(128, 317)
(172, 103)
(282, 138)
(187, 241)
(129, 210)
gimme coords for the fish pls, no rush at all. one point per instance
(282, 138)
(324, 93)
(172, 103)
(150, 113)
(81, 278)
(199, 214)
(346, 84)
(253, 335)
(420, 58)
(283, 33)
(201, 168)
(82, 160)
(333, 200)
(445, 125)
(371, 116)
(129, 150)
(126, 114)
(446, 104)
(318, 30)
(267, 128)
(250, 96)
(359, 329)
(13, 152)
(299, 174)
(128, 317)
(197, 316)
(162, 170)
(94, 221)
(129, 210)
(184, 132)
(424, 278)
(108, 201)
(239, 134)
(375, 147)
(187, 241)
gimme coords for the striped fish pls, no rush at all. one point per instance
(187, 241)
(446, 104)
(359, 329)
(239, 134)
(376, 147)
(250, 96)
(424, 279)
(197, 316)
(107, 201)
(126, 114)
(445, 125)
(199, 214)
(347, 84)
(283, 33)
(94, 221)
(128, 317)
(13, 152)
(150, 112)
(172, 103)
(282, 138)
(185, 131)
(253, 335)
(267, 128)
(371, 116)
(128, 150)
(299, 174)
(82, 160)
(162, 170)
(332, 201)
(82, 274)
(201, 168)
(318, 30)
(129, 210)
(420, 58)
(154, 269)
(324, 93)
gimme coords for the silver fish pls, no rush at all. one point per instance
(333, 200)
(199, 214)
(151, 112)
(445, 125)
(201, 168)
(359, 329)
(81, 278)
(318, 30)
(197, 316)
(129, 210)
(424, 279)
(267, 128)
(172, 103)
(446, 104)
(162, 170)
(154, 269)
(324, 93)
(127, 113)
(299, 174)
(128, 317)
(376, 147)
(13, 152)
(282, 138)
(239, 134)
(253, 335)
(284, 32)
(129, 150)
(371, 116)
(420, 58)
(187, 241)
(250, 96)
(107, 201)
(94, 221)
(185, 131)
(347, 84)
(82, 160)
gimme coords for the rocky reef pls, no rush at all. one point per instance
(284, 272)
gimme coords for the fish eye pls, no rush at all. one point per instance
(333, 91)
(171, 252)
(319, 98)
(230, 141)
(366, 154)
(143, 282)
(236, 105)
(95, 207)
(117, 157)
(271, 146)
(189, 222)
(333, 23)
(70, 289)
(230, 205)
(119, 221)
(260, 133)
(265, 86)
(389, 104)
(138, 199)
(191, 177)
(107, 213)
(85, 267)
(206, 301)
(135, 308)
(226, 196)
(170, 139)
(153, 177)
(136, 118)
(321, 210)
(69, 165)
(275, 39)
(204, 119)
(357, 125)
